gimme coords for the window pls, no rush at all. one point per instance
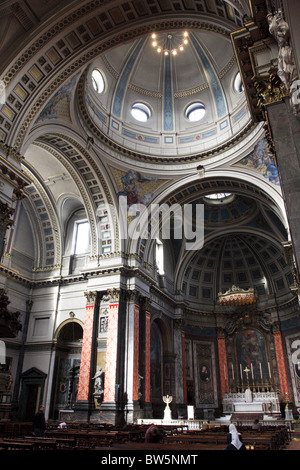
(195, 112)
(219, 198)
(141, 112)
(238, 84)
(159, 257)
(82, 237)
(98, 81)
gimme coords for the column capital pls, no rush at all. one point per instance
(133, 296)
(90, 297)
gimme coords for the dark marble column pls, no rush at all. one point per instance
(285, 130)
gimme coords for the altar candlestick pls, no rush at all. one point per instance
(260, 371)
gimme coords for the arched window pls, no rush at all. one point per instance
(81, 237)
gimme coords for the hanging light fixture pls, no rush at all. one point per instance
(170, 43)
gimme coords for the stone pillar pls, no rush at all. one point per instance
(285, 132)
(147, 359)
(180, 379)
(85, 371)
(222, 362)
(185, 399)
(281, 363)
(131, 360)
(112, 410)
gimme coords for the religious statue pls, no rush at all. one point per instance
(98, 377)
(167, 413)
(287, 71)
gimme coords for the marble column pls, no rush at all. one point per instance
(112, 409)
(86, 352)
(285, 133)
(131, 360)
(280, 362)
(222, 362)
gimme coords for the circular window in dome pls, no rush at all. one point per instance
(141, 112)
(219, 198)
(195, 112)
(98, 81)
(238, 84)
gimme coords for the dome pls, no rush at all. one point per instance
(175, 104)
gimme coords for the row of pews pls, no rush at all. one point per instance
(132, 437)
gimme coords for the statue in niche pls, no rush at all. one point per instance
(287, 71)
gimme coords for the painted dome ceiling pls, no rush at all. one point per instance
(164, 89)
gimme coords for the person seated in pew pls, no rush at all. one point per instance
(234, 439)
(153, 434)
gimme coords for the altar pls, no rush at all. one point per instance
(255, 407)
(262, 402)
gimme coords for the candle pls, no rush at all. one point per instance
(269, 369)
(252, 371)
(232, 371)
(224, 372)
(241, 371)
(260, 371)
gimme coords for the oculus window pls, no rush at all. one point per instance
(141, 112)
(238, 84)
(219, 198)
(98, 81)
(195, 112)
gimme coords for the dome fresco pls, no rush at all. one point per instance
(200, 79)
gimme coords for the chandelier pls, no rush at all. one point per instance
(237, 296)
(170, 43)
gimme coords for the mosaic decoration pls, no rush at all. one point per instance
(137, 187)
(263, 162)
(59, 105)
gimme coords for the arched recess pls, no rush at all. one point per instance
(89, 182)
(192, 191)
(161, 368)
(68, 342)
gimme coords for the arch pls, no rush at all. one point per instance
(65, 323)
(191, 190)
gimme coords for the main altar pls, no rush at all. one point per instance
(259, 402)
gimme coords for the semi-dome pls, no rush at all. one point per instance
(169, 104)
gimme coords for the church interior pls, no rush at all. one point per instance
(150, 227)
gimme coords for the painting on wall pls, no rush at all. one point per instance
(262, 161)
(251, 354)
(58, 107)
